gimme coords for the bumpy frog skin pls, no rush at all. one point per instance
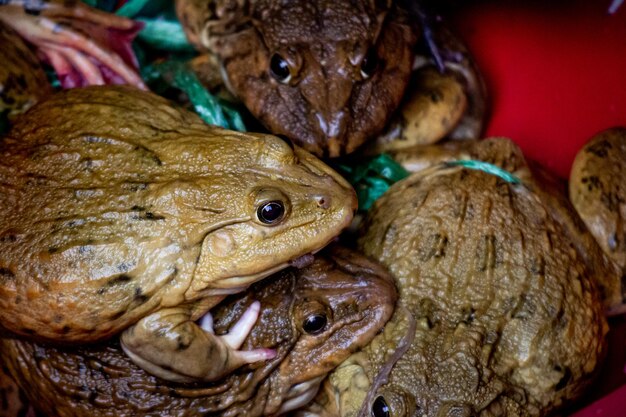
(314, 317)
(118, 208)
(509, 317)
(328, 74)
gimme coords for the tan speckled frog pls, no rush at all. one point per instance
(326, 73)
(314, 317)
(121, 212)
(502, 297)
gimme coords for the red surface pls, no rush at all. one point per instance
(556, 71)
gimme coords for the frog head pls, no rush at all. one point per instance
(271, 203)
(326, 74)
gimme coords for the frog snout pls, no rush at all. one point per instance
(333, 126)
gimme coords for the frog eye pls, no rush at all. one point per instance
(271, 212)
(279, 68)
(369, 63)
(315, 323)
(380, 408)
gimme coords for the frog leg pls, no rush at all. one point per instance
(170, 345)
(80, 42)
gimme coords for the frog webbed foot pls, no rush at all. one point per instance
(169, 345)
(85, 46)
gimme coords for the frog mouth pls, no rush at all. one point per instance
(240, 283)
(301, 394)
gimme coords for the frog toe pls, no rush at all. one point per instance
(240, 330)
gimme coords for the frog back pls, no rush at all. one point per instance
(106, 195)
(503, 298)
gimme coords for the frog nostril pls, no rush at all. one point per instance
(323, 202)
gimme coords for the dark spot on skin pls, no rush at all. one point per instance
(486, 253)
(538, 266)
(137, 208)
(134, 187)
(7, 274)
(592, 182)
(8, 238)
(118, 280)
(567, 376)
(434, 247)
(182, 344)
(52, 250)
(148, 216)
(600, 149)
(92, 397)
(18, 299)
(140, 297)
(611, 200)
(125, 266)
(57, 318)
(470, 315)
(65, 329)
(28, 331)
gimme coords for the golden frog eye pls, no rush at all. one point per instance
(279, 69)
(271, 212)
(380, 408)
(369, 63)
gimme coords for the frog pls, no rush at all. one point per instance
(23, 81)
(315, 317)
(84, 45)
(326, 74)
(503, 296)
(596, 191)
(123, 213)
(335, 75)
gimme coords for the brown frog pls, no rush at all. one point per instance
(122, 213)
(327, 74)
(502, 297)
(314, 318)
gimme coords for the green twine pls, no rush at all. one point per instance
(486, 167)
(179, 75)
(372, 177)
(132, 8)
(165, 35)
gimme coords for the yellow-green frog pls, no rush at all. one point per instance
(122, 213)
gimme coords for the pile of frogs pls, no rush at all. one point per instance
(152, 264)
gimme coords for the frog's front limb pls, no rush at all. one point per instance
(65, 33)
(170, 345)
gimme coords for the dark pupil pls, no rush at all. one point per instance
(314, 324)
(271, 212)
(279, 67)
(370, 62)
(380, 408)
